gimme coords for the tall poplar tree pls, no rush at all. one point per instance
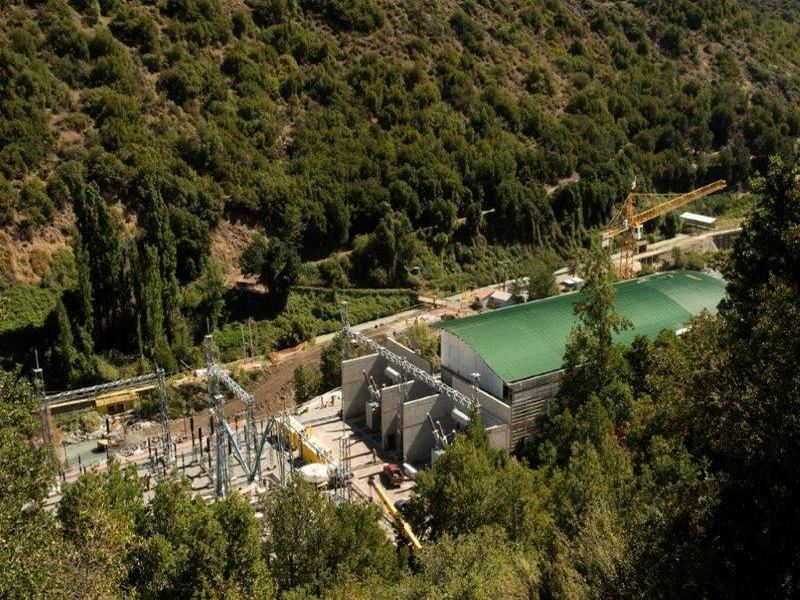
(158, 233)
(83, 314)
(64, 356)
(155, 340)
(101, 236)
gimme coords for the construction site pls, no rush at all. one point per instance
(394, 413)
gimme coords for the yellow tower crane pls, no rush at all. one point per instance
(628, 222)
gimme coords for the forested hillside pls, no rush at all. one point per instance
(666, 469)
(130, 130)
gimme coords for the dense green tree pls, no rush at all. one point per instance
(541, 282)
(314, 542)
(211, 287)
(306, 381)
(28, 554)
(384, 257)
(158, 234)
(482, 564)
(83, 313)
(330, 364)
(275, 263)
(246, 571)
(98, 514)
(64, 356)
(101, 236)
(592, 360)
(767, 247)
(473, 485)
(183, 552)
(422, 340)
(155, 341)
(470, 231)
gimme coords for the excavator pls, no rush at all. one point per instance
(628, 223)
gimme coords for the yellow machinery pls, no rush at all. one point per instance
(312, 450)
(628, 222)
(116, 402)
(408, 533)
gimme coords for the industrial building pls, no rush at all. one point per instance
(393, 391)
(508, 361)
(518, 351)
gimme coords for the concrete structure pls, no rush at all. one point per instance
(398, 409)
(702, 221)
(492, 298)
(518, 351)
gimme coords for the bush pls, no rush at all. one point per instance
(269, 12)
(35, 203)
(469, 32)
(80, 421)
(135, 27)
(358, 15)
(8, 202)
(183, 81)
(306, 381)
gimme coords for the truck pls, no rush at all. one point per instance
(392, 475)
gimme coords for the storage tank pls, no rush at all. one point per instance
(316, 473)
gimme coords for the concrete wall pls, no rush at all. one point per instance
(460, 359)
(391, 399)
(530, 398)
(499, 435)
(499, 410)
(415, 359)
(355, 393)
(417, 433)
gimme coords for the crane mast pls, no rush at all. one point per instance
(628, 222)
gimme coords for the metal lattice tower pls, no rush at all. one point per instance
(216, 405)
(166, 436)
(345, 473)
(345, 326)
(222, 476)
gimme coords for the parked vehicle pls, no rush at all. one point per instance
(392, 475)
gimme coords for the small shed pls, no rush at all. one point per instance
(482, 298)
(696, 221)
(499, 298)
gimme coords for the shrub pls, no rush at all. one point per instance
(358, 15)
(469, 32)
(539, 81)
(183, 81)
(35, 203)
(306, 382)
(269, 12)
(135, 27)
(8, 202)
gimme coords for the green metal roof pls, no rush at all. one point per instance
(528, 339)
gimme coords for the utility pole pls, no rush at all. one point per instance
(166, 437)
(345, 328)
(38, 382)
